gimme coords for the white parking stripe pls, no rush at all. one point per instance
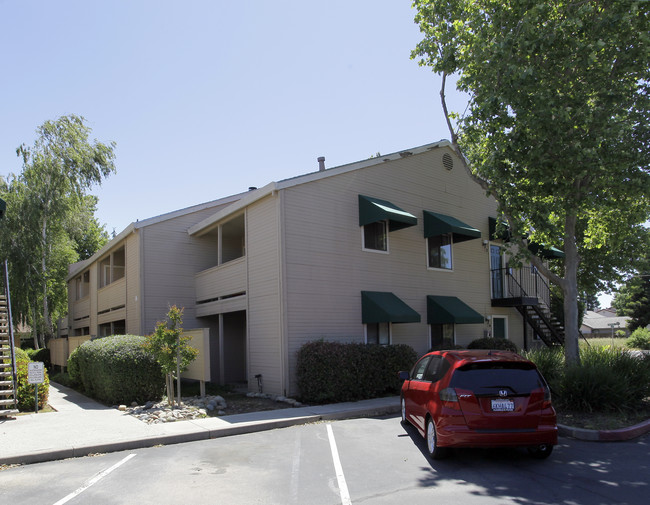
(295, 470)
(94, 480)
(343, 487)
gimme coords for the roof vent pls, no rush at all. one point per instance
(252, 188)
(321, 163)
(447, 161)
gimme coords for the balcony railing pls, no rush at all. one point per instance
(521, 284)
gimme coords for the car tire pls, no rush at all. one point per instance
(403, 409)
(542, 451)
(431, 437)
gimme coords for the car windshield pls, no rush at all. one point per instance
(491, 377)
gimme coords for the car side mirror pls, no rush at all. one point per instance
(404, 376)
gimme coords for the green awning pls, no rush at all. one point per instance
(385, 307)
(537, 249)
(439, 224)
(450, 309)
(372, 210)
(545, 251)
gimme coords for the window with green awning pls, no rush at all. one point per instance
(385, 307)
(372, 210)
(440, 224)
(450, 309)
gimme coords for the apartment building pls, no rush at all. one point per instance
(392, 249)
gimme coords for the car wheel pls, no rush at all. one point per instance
(542, 451)
(403, 402)
(432, 442)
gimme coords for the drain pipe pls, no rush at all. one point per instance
(259, 382)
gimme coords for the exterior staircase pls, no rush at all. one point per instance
(8, 400)
(527, 291)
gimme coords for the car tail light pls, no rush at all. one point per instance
(547, 398)
(449, 395)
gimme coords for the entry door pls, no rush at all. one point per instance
(496, 275)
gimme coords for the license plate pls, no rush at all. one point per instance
(503, 405)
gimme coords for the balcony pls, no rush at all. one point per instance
(514, 287)
(220, 284)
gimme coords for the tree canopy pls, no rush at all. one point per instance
(557, 127)
(50, 218)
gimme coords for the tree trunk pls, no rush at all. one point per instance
(570, 289)
(46, 312)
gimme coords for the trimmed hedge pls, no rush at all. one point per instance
(500, 344)
(42, 355)
(639, 339)
(25, 391)
(117, 370)
(329, 372)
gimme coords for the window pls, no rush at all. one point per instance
(439, 251)
(418, 370)
(500, 327)
(442, 335)
(113, 328)
(112, 267)
(375, 236)
(378, 333)
(437, 368)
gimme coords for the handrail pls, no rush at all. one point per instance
(519, 283)
(10, 328)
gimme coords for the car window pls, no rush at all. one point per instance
(419, 369)
(490, 378)
(437, 368)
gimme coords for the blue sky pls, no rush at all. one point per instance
(205, 99)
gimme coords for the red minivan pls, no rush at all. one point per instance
(479, 398)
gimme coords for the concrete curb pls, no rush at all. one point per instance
(619, 435)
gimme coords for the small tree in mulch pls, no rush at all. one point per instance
(172, 351)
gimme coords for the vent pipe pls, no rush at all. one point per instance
(321, 163)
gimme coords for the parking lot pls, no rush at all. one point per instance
(374, 460)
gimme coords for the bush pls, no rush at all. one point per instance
(42, 355)
(607, 380)
(639, 339)
(336, 372)
(550, 362)
(117, 370)
(493, 343)
(25, 392)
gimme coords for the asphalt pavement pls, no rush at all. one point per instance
(81, 426)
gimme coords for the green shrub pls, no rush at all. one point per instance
(550, 362)
(117, 369)
(336, 372)
(493, 343)
(25, 393)
(606, 380)
(42, 355)
(639, 339)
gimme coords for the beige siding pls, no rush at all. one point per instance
(326, 268)
(170, 259)
(133, 296)
(223, 280)
(265, 354)
(112, 296)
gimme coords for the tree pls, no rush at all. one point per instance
(58, 170)
(633, 297)
(557, 127)
(172, 350)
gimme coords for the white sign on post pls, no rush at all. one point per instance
(35, 372)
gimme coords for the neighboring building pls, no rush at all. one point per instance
(603, 323)
(393, 249)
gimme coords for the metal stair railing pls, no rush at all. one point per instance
(10, 333)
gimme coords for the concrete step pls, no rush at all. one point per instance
(8, 412)
(6, 402)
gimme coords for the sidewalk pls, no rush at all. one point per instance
(81, 426)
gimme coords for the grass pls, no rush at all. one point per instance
(614, 343)
(604, 420)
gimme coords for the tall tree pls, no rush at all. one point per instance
(58, 170)
(557, 127)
